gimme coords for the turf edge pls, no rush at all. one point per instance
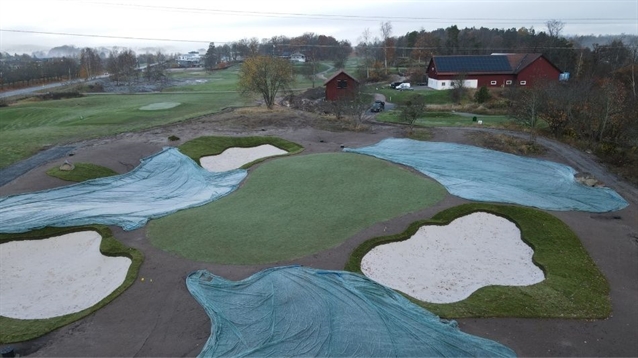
(573, 285)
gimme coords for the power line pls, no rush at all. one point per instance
(106, 36)
(369, 46)
(583, 20)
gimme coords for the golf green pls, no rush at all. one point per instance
(295, 206)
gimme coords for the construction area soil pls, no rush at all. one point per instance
(158, 317)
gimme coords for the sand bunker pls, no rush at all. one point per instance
(159, 106)
(444, 264)
(56, 276)
(234, 158)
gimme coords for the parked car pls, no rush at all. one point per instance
(395, 84)
(404, 87)
(377, 106)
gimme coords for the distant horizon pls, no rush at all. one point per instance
(201, 46)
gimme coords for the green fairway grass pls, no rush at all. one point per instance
(81, 172)
(27, 127)
(295, 206)
(212, 145)
(573, 285)
(17, 330)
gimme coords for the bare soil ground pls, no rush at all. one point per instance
(160, 318)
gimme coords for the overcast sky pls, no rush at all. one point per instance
(180, 26)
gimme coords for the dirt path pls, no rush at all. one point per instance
(160, 318)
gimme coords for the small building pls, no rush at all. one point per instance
(298, 57)
(340, 85)
(496, 70)
(191, 59)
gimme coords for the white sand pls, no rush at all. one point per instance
(233, 158)
(56, 276)
(159, 106)
(443, 264)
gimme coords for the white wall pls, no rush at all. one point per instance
(447, 84)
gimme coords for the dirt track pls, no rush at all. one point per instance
(160, 318)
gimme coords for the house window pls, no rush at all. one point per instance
(342, 83)
(508, 82)
(493, 83)
(523, 83)
(442, 84)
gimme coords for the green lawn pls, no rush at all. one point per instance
(446, 119)
(295, 206)
(17, 330)
(27, 127)
(573, 285)
(81, 172)
(399, 97)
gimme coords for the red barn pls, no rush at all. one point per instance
(522, 69)
(340, 85)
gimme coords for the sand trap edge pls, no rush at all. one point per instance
(17, 330)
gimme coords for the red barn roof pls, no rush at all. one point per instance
(337, 74)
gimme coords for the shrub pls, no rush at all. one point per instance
(482, 95)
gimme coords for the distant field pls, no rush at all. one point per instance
(446, 119)
(27, 127)
(211, 81)
(399, 97)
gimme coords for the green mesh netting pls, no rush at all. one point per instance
(162, 184)
(487, 175)
(298, 311)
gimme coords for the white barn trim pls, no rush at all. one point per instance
(449, 84)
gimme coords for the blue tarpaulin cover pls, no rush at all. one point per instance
(300, 312)
(486, 175)
(162, 184)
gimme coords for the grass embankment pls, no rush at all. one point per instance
(506, 143)
(433, 118)
(399, 97)
(295, 206)
(28, 126)
(573, 285)
(82, 172)
(446, 119)
(212, 145)
(17, 330)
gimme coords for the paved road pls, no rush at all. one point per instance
(30, 90)
(15, 170)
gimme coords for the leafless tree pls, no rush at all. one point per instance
(363, 50)
(526, 105)
(386, 33)
(90, 62)
(554, 27)
(354, 106)
(412, 109)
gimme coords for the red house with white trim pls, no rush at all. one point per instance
(340, 85)
(496, 70)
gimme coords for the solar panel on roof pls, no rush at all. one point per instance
(473, 64)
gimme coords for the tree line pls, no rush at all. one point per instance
(123, 66)
(315, 47)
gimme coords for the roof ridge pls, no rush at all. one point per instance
(520, 62)
(337, 74)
